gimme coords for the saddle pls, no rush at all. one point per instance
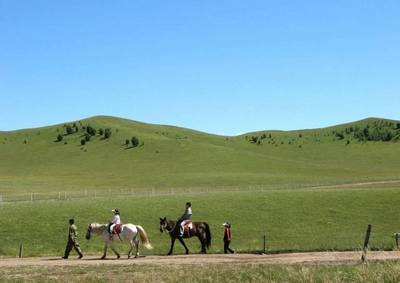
(117, 229)
(187, 228)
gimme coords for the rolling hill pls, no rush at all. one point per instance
(48, 159)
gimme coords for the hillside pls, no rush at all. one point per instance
(167, 156)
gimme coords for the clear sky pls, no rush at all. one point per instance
(223, 67)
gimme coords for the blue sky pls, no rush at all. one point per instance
(224, 67)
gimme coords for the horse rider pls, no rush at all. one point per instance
(116, 220)
(185, 218)
(72, 240)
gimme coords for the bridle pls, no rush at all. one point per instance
(165, 226)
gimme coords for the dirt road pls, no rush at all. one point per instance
(289, 258)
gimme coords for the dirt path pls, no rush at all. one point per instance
(289, 258)
(360, 184)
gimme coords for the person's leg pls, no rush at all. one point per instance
(225, 247)
(228, 248)
(78, 249)
(181, 230)
(68, 249)
(110, 230)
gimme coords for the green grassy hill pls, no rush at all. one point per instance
(33, 160)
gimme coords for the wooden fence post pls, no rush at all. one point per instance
(366, 241)
(265, 246)
(20, 250)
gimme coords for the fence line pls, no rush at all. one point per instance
(152, 191)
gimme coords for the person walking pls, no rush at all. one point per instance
(227, 237)
(72, 240)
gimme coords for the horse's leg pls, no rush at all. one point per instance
(184, 245)
(203, 244)
(137, 247)
(172, 245)
(105, 250)
(115, 251)
(130, 250)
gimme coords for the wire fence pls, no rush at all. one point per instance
(149, 192)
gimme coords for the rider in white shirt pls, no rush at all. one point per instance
(116, 219)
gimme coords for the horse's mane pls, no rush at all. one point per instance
(98, 225)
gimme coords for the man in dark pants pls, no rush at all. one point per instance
(227, 237)
(72, 240)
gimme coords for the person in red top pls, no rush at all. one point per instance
(227, 237)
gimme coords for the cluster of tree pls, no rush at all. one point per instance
(89, 132)
(257, 139)
(107, 133)
(134, 141)
(339, 135)
(376, 134)
(71, 129)
(376, 131)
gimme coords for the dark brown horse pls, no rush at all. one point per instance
(200, 230)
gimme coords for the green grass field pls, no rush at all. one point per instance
(293, 220)
(183, 158)
(373, 272)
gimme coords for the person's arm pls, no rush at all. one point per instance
(72, 233)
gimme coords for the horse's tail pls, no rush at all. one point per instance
(144, 238)
(208, 235)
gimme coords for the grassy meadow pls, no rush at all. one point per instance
(32, 160)
(293, 220)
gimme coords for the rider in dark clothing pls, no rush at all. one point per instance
(185, 218)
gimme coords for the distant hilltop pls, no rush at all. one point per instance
(106, 152)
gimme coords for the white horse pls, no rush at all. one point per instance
(128, 234)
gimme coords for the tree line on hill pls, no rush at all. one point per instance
(88, 132)
(377, 131)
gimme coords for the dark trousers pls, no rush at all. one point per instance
(226, 247)
(72, 244)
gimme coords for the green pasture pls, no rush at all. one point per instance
(373, 272)
(292, 220)
(170, 157)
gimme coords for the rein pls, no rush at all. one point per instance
(172, 229)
